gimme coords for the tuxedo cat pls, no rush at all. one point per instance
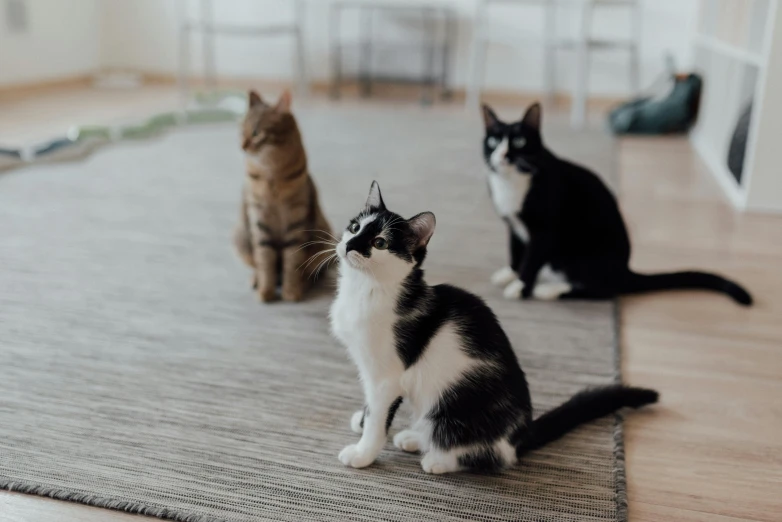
(567, 236)
(441, 349)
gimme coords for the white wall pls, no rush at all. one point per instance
(142, 35)
(61, 41)
(76, 36)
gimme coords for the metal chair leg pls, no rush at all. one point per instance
(479, 52)
(635, 50)
(184, 58)
(336, 50)
(428, 19)
(208, 41)
(302, 80)
(449, 39)
(580, 86)
(365, 59)
(550, 55)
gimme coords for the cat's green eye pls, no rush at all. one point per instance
(380, 243)
(255, 133)
(519, 142)
(492, 141)
(353, 227)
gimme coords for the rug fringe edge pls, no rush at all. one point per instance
(101, 502)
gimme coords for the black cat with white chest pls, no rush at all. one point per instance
(442, 350)
(567, 235)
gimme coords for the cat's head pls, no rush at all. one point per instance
(512, 147)
(383, 244)
(267, 125)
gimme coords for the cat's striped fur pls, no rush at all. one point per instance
(282, 232)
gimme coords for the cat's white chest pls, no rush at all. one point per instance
(508, 191)
(363, 320)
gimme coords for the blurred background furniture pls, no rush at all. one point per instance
(738, 49)
(209, 28)
(437, 31)
(583, 43)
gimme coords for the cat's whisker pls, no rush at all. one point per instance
(314, 256)
(327, 238)
(324, 267)
(324, 232)
(322, 263)
(305, 245)
(310, 243)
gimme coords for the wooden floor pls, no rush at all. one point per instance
(712, 450)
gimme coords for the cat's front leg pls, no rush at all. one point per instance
(383, 399)
(294, 279)
(534, 259)
(265, 272)
(506, 275)
(357, 420)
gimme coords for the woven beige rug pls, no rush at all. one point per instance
(139, 373)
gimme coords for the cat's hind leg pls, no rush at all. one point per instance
(408, 440)
(551, 284)
(594, 294)
(489, 458)
(551, 291)
(594, 278)
(437, 461)
(503, 276)
(416, 438)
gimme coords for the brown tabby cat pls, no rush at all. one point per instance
(281, 226)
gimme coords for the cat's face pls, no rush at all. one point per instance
(267, 125)
(512, 148)
(383, 244)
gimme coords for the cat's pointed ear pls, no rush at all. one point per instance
(254, 98)
(375, 199)
(284, 103)
(489, 118)
(532, 116)
(422, 226)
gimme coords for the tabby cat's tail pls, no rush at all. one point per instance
(583, 407)
(635, 283)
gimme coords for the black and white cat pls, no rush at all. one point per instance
(567, 235)
(441, 349)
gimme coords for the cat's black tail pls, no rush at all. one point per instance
(634, 283)
(583, 407)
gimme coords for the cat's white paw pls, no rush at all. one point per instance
(513, 290)
(354, 457)
(503, 276)
(355, 421)
(408, 440)
(550, 291)
(437, 462)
